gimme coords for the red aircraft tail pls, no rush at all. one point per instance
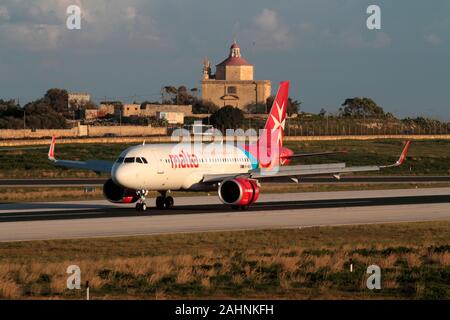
(269, 147)
(277, 117)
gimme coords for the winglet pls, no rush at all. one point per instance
(403, 155)
(51, 150)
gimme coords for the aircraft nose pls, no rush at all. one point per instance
(119, 176)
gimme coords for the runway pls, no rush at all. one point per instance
(60, 220)
(88, 182)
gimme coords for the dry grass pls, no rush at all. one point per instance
(49, 194)
(311, 263)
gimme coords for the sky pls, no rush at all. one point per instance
(129, 49)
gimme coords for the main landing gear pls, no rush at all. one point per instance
(163, 202)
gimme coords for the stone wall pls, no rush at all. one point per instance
(83, 131)
(162, 139)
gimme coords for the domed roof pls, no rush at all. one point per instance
(234, 58)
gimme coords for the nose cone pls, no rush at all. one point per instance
(120, 176)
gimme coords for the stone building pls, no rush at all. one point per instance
(233, 84)
(150, 109)
(77, 99)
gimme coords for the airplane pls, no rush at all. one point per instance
(234, 171)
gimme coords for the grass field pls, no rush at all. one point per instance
(425, 157)
(309, 263)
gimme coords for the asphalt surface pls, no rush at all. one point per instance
(32, 221)
(344, 179)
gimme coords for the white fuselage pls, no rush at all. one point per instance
(179, 166)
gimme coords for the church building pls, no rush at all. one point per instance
(233, 83)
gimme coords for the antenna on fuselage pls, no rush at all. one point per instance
(143, 143)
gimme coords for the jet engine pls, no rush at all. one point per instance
(285, 156)
(239, 192)
(118, 194)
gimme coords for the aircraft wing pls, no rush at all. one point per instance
(298, 171)
(94, 165)
(312, 154)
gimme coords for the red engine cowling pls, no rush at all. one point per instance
(118, 194)
(239, 191)
(285, 156)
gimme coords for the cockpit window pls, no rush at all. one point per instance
(144, 160)
(120, 159)
(128, 160)
(138, 160)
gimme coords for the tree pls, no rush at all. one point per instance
(40, 114)
(169, 94)
(57, 99)
(203, 106)
(360, 107)
(256, 108)
(227, 117)
(323, 112)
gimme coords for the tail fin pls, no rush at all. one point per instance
(277, 113)
(277, 117)
(266, 151)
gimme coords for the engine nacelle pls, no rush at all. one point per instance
(239, 191)
(118, 194)
(285, 156)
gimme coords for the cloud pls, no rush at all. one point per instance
(41, 25)
(357, 40)
(267, 31)
(4, 13)
(433, 39)
(36, 37)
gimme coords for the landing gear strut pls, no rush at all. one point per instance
(141, 205)
(163, 202)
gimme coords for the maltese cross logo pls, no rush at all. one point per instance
(279, 122)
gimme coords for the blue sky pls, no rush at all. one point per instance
(134, 47)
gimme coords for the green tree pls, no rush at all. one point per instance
(360, 107)
(202, 106)
(227, 117)
(57, 99)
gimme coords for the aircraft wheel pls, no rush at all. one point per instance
(141, 206)
(159, 202)
(168, 202)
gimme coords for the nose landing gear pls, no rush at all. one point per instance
(141, 205)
